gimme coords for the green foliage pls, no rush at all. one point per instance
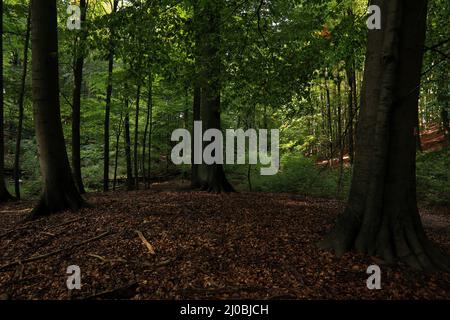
(433, 176)
(298, 174)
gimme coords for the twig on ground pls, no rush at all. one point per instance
(43, 256)
(150, 248)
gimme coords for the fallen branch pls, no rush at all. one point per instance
(105, 260)
(40, 257)
(26, 225)
(145, 242)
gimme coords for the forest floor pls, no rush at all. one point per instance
(166, 244)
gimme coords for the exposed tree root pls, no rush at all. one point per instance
(47, 206)
(398, 242)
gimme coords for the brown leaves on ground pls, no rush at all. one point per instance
(240, 246)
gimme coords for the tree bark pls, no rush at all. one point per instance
(59, 189)
(210, 16)
(76, 101)
(116, 160)
(4, 193)
(147, 124)
(136, 139)
(130, 183)
(382, 218)
(108, 105)
(195, 178)
(329, 120)
(350, 107)
(21, 107)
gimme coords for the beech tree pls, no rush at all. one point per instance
(59, 190)
(208, 14)
(382, 218)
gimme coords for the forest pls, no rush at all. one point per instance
(340, 114)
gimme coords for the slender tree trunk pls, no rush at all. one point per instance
(76, 101)
(130, 181)
(136, 138)
(21, 107)
(443, 97)
(59, 192)
(340, 136)
(147, 124)
(329, 121)
(108, 105)
(116, 160)
(4, 193)
(195, 177)
(149, 163)
(382, 218)
(350, 107)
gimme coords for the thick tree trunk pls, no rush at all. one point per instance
(76, 101)
(108, 105)
(21, 107)
(136, 139)
(382, 217)
(59, 192)
(215, 179)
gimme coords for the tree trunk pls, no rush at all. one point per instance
(195, 177)
(59, 192)
(149, 163)
(442, 97)
(351, 80)
(340, 136)
(136, 139)
(130, 183)
(4, 193)
(21, 107)
(108, 105)
(210, 13)
(382, 218)
(76, 101)
(116, 160)
(147, 124)
(329, 120)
